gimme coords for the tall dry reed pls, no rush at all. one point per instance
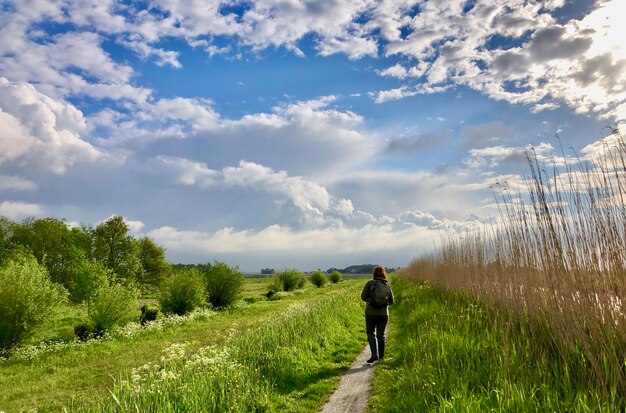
(553, 265)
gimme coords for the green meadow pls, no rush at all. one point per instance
(284, 350)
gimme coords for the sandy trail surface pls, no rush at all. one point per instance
(353, 391)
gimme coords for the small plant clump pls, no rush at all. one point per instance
(288, 280)
(318, 278)
(335, 277)
(148, 314)
(182, 292)
(82, 331)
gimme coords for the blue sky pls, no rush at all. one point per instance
(296, 133)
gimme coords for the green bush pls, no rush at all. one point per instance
(88, 278)
(224, 284)
(112, 305)
(318, 278)
(182, 292)
(336, 277)
(288, 280)
(27, 298)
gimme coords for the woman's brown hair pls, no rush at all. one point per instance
(379, 272)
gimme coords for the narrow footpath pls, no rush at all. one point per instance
(353, 391)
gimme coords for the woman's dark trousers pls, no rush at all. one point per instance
(375, 328)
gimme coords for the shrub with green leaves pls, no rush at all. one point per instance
(182, 292)
(27, 298)
(288, 280)
(336, 277)
(318, 278)
(88, 278)
(111, 305)
(224, 284)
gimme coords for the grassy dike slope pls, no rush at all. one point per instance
(77, 376)
(445, 354)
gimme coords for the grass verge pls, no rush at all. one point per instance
(447, 355)
(79, 375)
(290, 364)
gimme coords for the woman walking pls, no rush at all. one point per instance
(378, 296)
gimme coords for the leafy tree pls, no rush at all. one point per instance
(82, 238)
(116, 250)
(27, 298)
(50, 241)
(182, 292)
(223, 284)
(153, 262)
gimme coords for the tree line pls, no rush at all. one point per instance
(69, 253)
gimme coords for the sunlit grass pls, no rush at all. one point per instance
(447, 354)
(288, 364)
(554, 268)
(80, 374)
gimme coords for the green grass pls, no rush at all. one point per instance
(290, 364)
(77, 375)
(445, 354)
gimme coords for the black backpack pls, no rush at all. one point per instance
(379, 294)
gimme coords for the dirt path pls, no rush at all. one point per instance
(353, 391)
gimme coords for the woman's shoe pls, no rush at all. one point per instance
(372, 359)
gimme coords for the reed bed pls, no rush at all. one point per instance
(553, 265)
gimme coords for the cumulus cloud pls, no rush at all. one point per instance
(16, 183)
(577, 63)
(312, 199)
(307, 138)
(40, 129)
(20, 210)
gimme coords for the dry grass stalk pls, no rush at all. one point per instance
(555, 263)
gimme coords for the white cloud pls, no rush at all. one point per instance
(20, 210)
(16, 183)
(494, 156)
(579, 63)
(395, 94)
(307, 138)
(187, 172)
(308, 196)
(283, 247)
(40, 129)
